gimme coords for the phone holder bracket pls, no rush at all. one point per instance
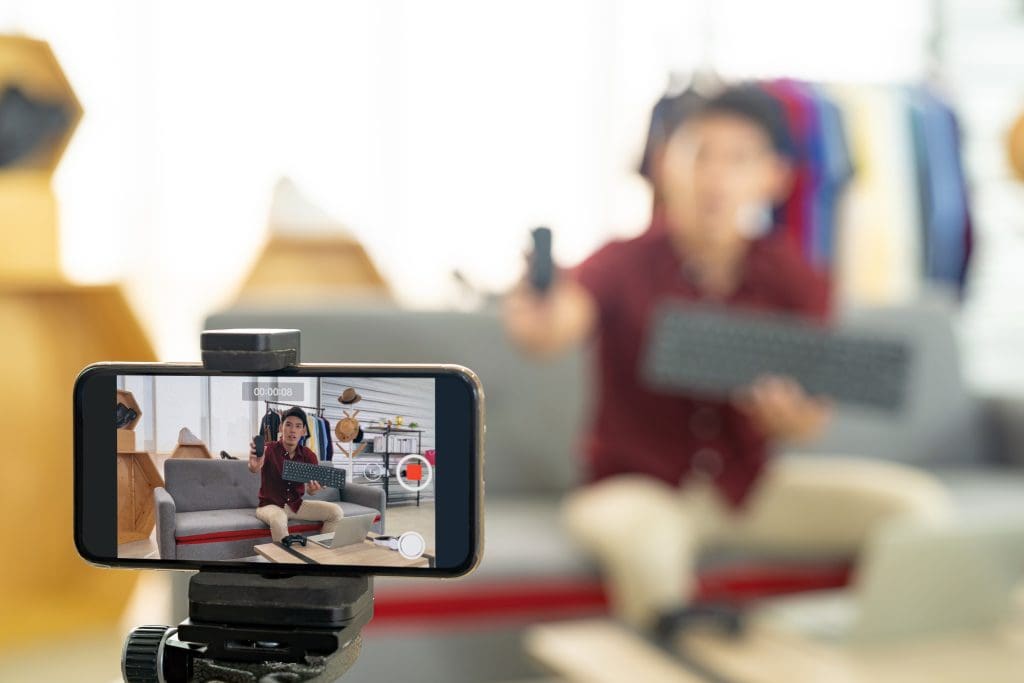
(248, 626)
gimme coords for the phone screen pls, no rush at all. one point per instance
(315, 470)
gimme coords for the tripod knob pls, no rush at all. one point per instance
(140, 661)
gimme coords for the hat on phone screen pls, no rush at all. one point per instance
(347, 430)
(349, 396)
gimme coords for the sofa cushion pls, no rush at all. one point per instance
(208, 523)
(211, 484)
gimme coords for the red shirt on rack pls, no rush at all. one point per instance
(274, 490)
(671, 437)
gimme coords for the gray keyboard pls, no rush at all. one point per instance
(302, 472)
(698, 350)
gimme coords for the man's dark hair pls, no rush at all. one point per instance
(747, 101)
(667, 115)
(295, 411)
(756, 105)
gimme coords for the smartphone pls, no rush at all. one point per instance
(259, 441)
(152, 496)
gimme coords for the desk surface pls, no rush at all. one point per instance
(600, 651)
(364, 554)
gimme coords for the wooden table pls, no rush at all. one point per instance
(362, 554)
(600, 650)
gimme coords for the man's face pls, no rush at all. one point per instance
(292, 430)
(719, 173)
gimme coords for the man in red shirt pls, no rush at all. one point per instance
(281, 500)
(670, 474)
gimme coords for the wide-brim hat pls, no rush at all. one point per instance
(349, 396)
(347, 430)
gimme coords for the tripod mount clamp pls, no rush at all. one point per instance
(246, 626)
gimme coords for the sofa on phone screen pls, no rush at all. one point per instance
(207, 510)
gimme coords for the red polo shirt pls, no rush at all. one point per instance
(673, 437)
(274, 490)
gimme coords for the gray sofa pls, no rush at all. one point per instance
(968, 441)
(207, 510)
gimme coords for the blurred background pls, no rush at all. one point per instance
(370, 172)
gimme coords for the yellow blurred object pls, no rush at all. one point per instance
(51, 330)
(30, 242)
(309, 256)
(1015, 146)
(311, 266)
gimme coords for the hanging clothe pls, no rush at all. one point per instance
(945, 220)
(879, 253)
(312, 442)
(270, 425)
(795, 216)
(304, 441)
(835, 172)
(327, 446)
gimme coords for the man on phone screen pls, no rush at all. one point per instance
(281, 500)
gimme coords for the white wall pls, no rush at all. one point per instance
(438, 132)
(233, 421)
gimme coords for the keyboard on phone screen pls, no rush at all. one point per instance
(301, 472)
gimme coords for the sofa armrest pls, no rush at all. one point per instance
(166, 522)
(367, 496)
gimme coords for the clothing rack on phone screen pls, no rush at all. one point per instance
(319, 411)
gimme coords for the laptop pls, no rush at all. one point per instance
(349, 530)
(914, 581)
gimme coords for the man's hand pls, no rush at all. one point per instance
(255, 463)
(547, 324)
(782, 409)
(313, 486)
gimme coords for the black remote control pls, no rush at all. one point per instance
(260, 444)
(542, 267)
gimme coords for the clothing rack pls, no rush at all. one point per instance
(319, 411)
